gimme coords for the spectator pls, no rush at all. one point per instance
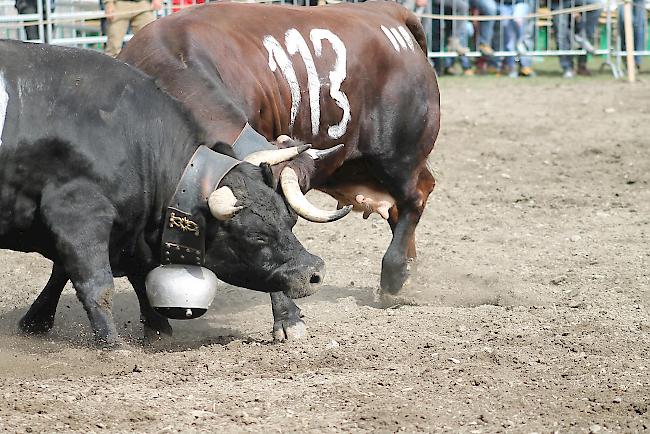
(585, 30)
(639, 23)
(30, 7)
(514, 36)
(121, 14)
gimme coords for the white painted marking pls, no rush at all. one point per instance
(336, 75)
(296, 43)
(391, 38)
(277, 56)
(4, 101)
(398, 37)
(407, 37)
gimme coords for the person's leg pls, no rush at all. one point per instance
(25, 7)
(640, 23)
(143, 18)
(520, 10)
(591, 22)
(486, 28)
(117, 29)
(505, 40)
(562, 36)
(584, 33)
(458, 38)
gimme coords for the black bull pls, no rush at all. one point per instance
(91, 152)
(353, 74)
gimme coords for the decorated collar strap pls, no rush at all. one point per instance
(183, 237)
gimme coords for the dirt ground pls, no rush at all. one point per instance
(529, 311)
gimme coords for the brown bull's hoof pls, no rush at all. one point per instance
(394, 276)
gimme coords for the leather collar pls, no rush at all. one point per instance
(183, 237)
(250, 141)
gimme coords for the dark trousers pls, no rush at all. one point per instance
(29, 7)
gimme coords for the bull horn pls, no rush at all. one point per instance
(275, 156)
(304, 208)
(317, 154)
(222, 203)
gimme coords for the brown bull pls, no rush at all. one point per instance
(355, 74)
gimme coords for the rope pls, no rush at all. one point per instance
(101, 14)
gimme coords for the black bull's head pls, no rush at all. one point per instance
(250, 242)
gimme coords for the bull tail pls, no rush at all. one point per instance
(417, 30)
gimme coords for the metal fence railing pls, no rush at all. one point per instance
(498, 33)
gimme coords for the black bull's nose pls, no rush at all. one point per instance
(303, 277)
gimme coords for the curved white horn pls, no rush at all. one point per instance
(275, 156)
(222, 203)
(304, 208)
(317, 154)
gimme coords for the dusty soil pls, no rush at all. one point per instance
(530, 308)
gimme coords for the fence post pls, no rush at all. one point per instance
(629, 40)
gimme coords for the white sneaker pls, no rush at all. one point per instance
(568, 73)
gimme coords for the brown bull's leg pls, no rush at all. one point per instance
(287, 322)
(403, 220)
(394, 266)
(40, 316)
(155, 326)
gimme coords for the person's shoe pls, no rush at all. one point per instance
(521, 48)
(468, 72)
(568, 73)
(583, 71)
(513, 73)
(453, 44)
(486, 50)
(585, 44)
(527, 71)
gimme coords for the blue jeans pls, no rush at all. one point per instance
(461, 7)
(514, 31)
(639, 24)
(486, 28)
(563, 28)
